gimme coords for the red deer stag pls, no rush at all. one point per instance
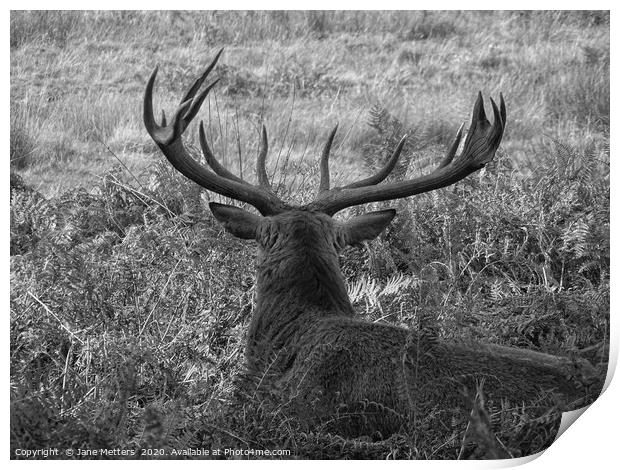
(305, 341)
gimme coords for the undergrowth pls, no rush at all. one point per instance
(129, 308)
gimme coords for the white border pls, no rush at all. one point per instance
(592, 442)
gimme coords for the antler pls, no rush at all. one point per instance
(483, 139)
(169, 139)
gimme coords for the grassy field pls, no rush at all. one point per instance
(129, 305)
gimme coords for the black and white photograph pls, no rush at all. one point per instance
(306, 234)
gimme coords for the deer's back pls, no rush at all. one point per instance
(368, 377)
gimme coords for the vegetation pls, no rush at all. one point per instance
(129, 305)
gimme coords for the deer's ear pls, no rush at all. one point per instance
(236, 221)
(366, 226)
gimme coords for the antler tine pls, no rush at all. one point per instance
(196, 103)
(324, 183)
(384, 172)
(147, 112)
(211, 160)
(502, 109)
(263, 179)
(453, 148)
(200, 80)
(169, 139)
(482, 138)
(479, 113)
(479, 148)
(498, 125)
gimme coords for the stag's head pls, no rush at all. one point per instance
(283, 228)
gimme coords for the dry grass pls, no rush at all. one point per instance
(77, 78)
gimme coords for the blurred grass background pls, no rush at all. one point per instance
(77, 80)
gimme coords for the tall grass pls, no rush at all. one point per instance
(76, 79)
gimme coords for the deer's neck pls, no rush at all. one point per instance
(307, 280)
(294, 290)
